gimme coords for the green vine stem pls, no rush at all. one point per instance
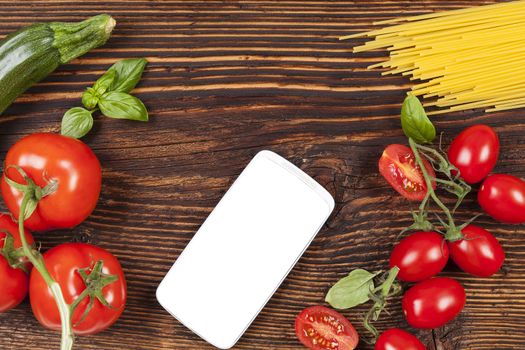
(453, 233)
(388, 288)
(68, 338)
(460, 189)
(421, 221)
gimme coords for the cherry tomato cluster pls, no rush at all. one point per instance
(475, 152)
(433, 301)
(55, 182)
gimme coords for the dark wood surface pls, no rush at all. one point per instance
(225, 80)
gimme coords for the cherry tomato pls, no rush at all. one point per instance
(503, 197)
(65, 262)
(479, 253)
(14, 281)
(419, 256)
(475, 152)
(398, 166)
(49, 157)
(398, 339)
(321, 328)
(433, 303)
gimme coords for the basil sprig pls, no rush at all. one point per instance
(76, 122)
(129, 73)
(361, 286)
(120, 105)
(110, 95)
(415, 122)
(351, 290)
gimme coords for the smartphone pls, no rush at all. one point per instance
(245, 249)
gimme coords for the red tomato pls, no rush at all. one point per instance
(479, 254)
(398, 339)
(475, 152)
(14, 282)
(64, 262)
(321, 328)
(503, 197)
(398, 167)
(13, 285)
(68, 161)
(433, 303)
(419, 256)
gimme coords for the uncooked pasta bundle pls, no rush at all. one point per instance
(461, 59)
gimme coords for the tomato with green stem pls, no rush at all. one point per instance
(502, 196)
(474, 152)
(61, 175)
(92, 282)
(419, 256)
(321, 328)
(399, 167)
(14, 268)
(478, 253)
(398, 339)
(433, 303)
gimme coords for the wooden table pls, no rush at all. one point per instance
(225, 80)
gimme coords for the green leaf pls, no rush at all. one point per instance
(76, 122)
(351, 290)
(122, 106)
(104, 82)
(89, 98)
(415, 122)
(128, 73)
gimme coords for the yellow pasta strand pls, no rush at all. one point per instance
(463, 59)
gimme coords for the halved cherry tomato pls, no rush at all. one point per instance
(49, 157)
(398, 166)
(503, 197)
(419, 256)
(433, 303)
(479, 253)
(14, 281)
(398, 339)
(475, 152)
(65, 263)
(321, 328)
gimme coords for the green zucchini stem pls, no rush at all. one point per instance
(75, 39)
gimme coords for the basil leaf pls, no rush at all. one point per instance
(89, 98)
(415, 122)
(128, 73)
(76, 122)
(351, 290)
(104, 82)
(120, 105)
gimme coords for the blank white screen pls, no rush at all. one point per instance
(243, 251)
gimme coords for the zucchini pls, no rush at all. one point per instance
(33, 52)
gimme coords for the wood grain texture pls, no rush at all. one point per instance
(225, 80)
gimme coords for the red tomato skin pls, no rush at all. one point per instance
(63, 262)
(502, 196)
(7, 224)
(433, 303)
(14, 282)
(398, 339)
(479, 254)
(348, 336)
(475, 152)
(67, 160)
(397, 166)
(419, 256)
(13, 285)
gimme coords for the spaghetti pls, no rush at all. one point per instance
(462, 59)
